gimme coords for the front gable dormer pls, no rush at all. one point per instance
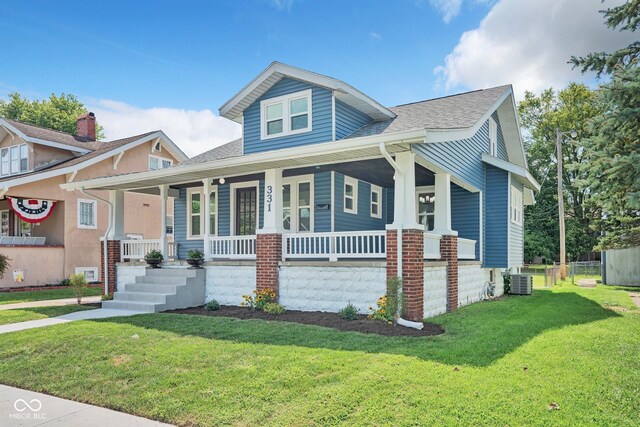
(286, 107)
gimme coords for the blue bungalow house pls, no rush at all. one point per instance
(328, 193)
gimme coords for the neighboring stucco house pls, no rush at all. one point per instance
(328, 193)
(50, 233)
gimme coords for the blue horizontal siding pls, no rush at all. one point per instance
(321, 119)
(348, 119)
(496, 218)
(462, 158)
(322, 196)
(224, 213)
(465, 214)
(361, 221)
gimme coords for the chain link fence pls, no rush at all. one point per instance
(549, 275)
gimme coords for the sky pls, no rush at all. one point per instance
(146, 65)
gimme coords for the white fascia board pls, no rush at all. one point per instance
(173, 148)
(304, 75)
(79, 166)
(408, 137)
(32, 140)
(519, 171)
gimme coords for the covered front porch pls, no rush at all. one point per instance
(328, 212)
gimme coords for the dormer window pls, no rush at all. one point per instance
(14, 159)
(286, 115)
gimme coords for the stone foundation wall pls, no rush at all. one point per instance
(435, 290)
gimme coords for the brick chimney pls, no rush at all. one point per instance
(86, 127)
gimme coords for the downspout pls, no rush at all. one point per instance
(104, 239)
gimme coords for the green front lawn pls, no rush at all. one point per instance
(26, 296)
(500, 363)
(35, 313)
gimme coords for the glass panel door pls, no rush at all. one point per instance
(246, 211)
(4, 223)
(286, 207)
(426, 205)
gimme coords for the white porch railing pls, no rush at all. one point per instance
(431, 246)
(232, 247)
(466, 248)
(351, 244)
(137, 249)
(33, 241)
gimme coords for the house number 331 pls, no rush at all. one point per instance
(269, 197)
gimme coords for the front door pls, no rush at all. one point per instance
(246, 211)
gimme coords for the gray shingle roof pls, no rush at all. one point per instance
(451, 112)
(225, 151)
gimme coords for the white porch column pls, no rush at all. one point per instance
(405, 213)
(272, 202)
(442, 209)
(206, 200)
(116, 231)
(164, 192)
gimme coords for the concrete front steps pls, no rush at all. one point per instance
(161, 289)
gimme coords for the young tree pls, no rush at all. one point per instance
(540, 116)
(56, 112)
(613, 152)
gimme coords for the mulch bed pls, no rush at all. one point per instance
(318, 318)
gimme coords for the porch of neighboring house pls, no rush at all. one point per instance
(329, 237)
(35, 250)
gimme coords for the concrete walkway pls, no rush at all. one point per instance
(635, 297)
(50, 303)
(27, 408)
(100, 313)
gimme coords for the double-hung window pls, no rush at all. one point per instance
(516, 206)
(285, 115)
(426, 207)
(14, 159)
(376, 201)
(156, 163)
(350, 195)
(87, 214)
(297, 202)
(196, 213)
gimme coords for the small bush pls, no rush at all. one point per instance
(154, 254)
(107, 297)
(506, 281)
(78, 283)
(65, 282)
(273, 308)
(258, 300)
(350, 312)
(4, 264)
(212, 305)
(195, 254)
(389, 305)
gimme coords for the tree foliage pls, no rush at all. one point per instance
(613, 149)
(540, 116)
(627, 18)
(56, 112)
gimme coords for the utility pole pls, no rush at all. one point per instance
(559, 157)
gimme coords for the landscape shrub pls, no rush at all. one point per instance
(79, 283)
(350, 312)
(212, 305)
(273, 308)
(258, 300)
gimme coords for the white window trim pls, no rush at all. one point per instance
(173, 223)
(200, 191)
(354, 183)
(516, 206)
(493, 137)
(93, 269)
(294, 182)
(378, 190)
(232, 208)
(160, 160)
(286, 116)
(424, 189)
(135, 236)
(156, 144)
(8, 148)
(95, 214)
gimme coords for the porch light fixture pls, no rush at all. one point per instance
(221, 181)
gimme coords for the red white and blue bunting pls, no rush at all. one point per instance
(32, 210)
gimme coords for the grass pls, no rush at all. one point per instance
(26, 296)
(35, 313)
(500, 363)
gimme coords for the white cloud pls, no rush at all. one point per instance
(528, 43)
(282, 4)
(448, 9)
(193, 131)
(374, 36)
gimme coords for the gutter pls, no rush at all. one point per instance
(104, 239)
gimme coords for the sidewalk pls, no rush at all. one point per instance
(27, 408)
(100, 313)
(49, 303)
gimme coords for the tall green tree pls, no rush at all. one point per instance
(540, 116)
(56, 112)
(613, 149)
